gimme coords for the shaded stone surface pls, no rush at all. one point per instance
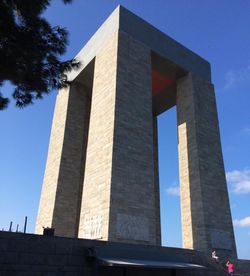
(27, 254)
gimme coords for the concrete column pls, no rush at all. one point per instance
(157, 182)
(206, 216)
(119, 201)
(60, 197)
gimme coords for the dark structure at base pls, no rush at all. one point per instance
(35, 255)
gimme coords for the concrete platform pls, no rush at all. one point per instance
(36, 255)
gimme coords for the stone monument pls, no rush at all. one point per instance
(101, 179)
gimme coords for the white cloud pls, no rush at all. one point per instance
(245, 222)
(240, 181)
(174, 190)
(234, 77)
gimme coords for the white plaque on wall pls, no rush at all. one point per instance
(132, 227)
(92, 227)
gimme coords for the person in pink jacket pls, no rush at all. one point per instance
(230, 267)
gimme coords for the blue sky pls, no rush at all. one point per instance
(216, 30)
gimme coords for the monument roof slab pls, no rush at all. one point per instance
(124, 20)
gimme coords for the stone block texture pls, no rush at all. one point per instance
(36, 255)
(205, 210)
(62, 186)
(120, 201)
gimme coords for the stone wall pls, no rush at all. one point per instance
(242, 267)
(61, 193)
(36, 255)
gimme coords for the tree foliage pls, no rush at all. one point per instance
(30, 50)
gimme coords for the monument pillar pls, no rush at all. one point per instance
(119, 200)
(61, 192)
(205, 210)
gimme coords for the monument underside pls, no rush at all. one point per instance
(164, 82)
(102, 179)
